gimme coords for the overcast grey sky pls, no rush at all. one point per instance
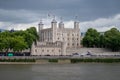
(99, 14)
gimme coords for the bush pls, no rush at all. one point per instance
(17, 60)
(53, 60)
(104, 60)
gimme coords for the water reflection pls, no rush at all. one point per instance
(83, 71)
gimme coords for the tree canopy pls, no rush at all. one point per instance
(91, 38)
(17, 40)
(110, 39)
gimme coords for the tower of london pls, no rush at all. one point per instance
(56, 39)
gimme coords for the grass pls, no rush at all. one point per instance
(98, 60)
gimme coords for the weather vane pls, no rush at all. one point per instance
(53, 16)
(61, 19)
(40, 20)
(76, 18)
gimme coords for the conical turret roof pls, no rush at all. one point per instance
(54, 21)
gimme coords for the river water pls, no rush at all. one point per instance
(81, 71)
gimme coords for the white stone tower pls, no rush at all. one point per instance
(76, 25)
(54, 29)
(40, 27)
(61, 24)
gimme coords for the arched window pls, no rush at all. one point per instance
(73, 44)
(68, 44)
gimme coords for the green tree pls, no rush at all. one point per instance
(19, 44)
(112, 39)
(92, 38)
(29, 38)
(17, 40)
(33, 31)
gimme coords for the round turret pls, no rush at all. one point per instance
(54, 24)
(76, 25)
(61, 25)
(40, 25)
(54, 21)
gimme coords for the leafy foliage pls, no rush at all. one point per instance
(110, 39)
(17, 40)
(91, 38)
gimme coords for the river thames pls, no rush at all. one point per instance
(81, 71)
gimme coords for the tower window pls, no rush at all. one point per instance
(35, 50)
(68, 44)
(73, 44)
(77, 44)
(59, 50)
(52, 50)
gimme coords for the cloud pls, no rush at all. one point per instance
(16, 26)
(19, 16)
(102, 24)
(32, 9)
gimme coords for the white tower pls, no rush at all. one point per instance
(76, 23)
(40, 27)
(54, 24)
(61, 24)
(54, 29)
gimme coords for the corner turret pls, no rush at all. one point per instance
(76, 25)
(54, 23)
(40, 27)
(61, 24)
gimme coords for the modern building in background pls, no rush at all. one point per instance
(56, 39)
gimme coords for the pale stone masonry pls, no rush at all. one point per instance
(57, 39)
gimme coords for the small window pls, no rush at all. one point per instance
(59, 50)
(52, 50)
(73, 44)
(68, 44)
(47, 50)
(35, 50)
(42, 50)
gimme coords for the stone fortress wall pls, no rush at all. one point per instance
(85, 50)
(56, 40)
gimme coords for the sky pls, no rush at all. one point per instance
(21, 14)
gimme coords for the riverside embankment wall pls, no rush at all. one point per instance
(92, 50)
